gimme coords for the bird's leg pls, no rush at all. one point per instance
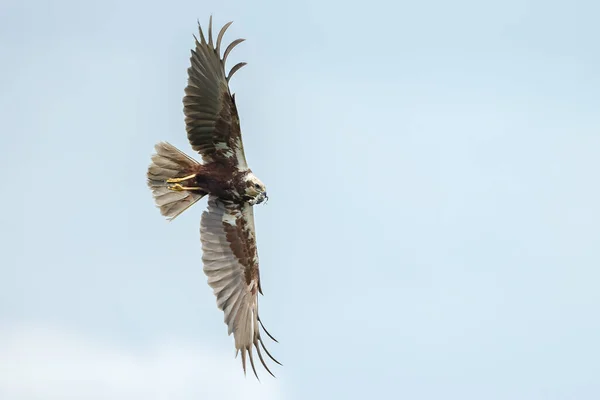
(185, 178)
(173, 184)
(178, 188)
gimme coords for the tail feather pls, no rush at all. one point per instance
(169, 162)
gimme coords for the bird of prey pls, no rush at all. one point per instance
(178, 181)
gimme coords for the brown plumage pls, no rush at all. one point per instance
(227, 230)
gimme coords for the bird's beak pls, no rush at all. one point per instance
(262, 197)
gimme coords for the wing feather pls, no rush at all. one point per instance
(231, 266)
(211, 117)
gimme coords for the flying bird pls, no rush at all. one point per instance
(177, 181)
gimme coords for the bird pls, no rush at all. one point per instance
(227, 230)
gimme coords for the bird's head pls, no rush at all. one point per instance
(255, 190)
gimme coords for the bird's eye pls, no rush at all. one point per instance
(256, 185)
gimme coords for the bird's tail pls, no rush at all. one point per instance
(169, 164)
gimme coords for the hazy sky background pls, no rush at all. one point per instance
(433, 224)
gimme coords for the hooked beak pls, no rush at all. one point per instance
(262, 198)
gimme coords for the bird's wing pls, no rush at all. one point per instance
(231, 264)
(211, 117)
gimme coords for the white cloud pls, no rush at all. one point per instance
(42, 363)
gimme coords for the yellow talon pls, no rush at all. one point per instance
(191, 188)
(178, 188)
(185, 178)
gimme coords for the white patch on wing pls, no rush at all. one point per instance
(226, 149)
(229, 219)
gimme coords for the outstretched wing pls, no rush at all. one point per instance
(231, 265)
(211, 117)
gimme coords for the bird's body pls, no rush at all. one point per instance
(226, 183)
(227, 230)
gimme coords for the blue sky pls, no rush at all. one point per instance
(433, 223)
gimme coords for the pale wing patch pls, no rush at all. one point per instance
(231, 265)
(226, 151)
